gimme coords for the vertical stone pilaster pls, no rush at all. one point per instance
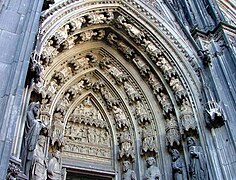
(18, 26)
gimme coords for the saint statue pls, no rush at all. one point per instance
(38, 169)
(178, 165)
(32, 130)
(54, 167)
(197, 169)
(153, 172)
(128, 174)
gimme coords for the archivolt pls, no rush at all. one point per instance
(69, 51)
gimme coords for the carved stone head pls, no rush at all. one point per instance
(57, 154)
(41, 140)
(190, 142)
(34, 108)
(175, 154)
(126, 165)
(150, 161)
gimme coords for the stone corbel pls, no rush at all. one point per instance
(215, 115)
(205, 57)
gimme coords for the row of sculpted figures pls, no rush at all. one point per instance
(197, 165)
(36, 166)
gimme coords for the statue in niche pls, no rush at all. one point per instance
(119, 76)
(163, 64)
(126, 148)
(141, 65)
(178, 165)
(187, 117)
(142, 113)
(39, 162)
(119, 115)
(129, 52)
(32, 130)
(165, 102)
(156, 85)
(132, 94)
(57, 133)
(148, 138)
(54, 167)
(131, 29)
(128, 174)
(151, 48)
(197, 168)
(152, 172)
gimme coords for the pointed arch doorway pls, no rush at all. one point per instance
(114, 88)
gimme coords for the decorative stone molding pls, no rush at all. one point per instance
(13, 169)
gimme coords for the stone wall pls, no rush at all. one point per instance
(18, 27)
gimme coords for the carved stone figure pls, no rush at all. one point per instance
(156, 85)
(141, 65)
(197, 168)
(60, 35)
(57, 133)
(39, 162)
(54, 167)
(163, 64)
(142, 113)
(87, 35)
(128, 174)
(165, 102)
(178, 166)
(148, 138)
(32, 129)
(119, 76)
(151, 48)
(76, 23)
(131, 29)
(126, 149)
(127, 50)
(132, 94)
(172, 131)
(96, 18)
(187, 117)
(152, 172)
(121, 119)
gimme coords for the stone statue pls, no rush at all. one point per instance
(128, 174)
(32, 129)
(178, 165)
(39, 164)
(152, 172)
(54, 167)
(197, 169)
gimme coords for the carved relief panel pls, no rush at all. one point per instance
(86, 133)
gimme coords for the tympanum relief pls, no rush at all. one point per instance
(86, 132)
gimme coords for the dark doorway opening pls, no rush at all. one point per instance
(78, 175)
